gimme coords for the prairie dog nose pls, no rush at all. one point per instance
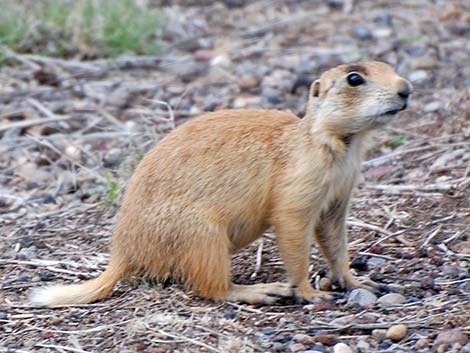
(404, 88)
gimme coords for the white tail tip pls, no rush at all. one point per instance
(43, 296)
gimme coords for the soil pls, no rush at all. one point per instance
(71, 132)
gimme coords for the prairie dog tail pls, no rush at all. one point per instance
(84, 293)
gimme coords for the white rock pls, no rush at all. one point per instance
(417, 75)
(382, 32)
(221, 60)
(302, 338)
(131, 126)
(72, 152)
(342, 348)
(432, 107)
(246, 101)
(391, 299)
(361, 297)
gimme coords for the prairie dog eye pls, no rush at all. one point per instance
(355, 80)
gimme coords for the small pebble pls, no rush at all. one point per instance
(48, 198)
(384, 19)
(278, 347)
(432, 107)
(382, 32)
(272, 96)
(361, 33)
(73, 152)
(29, 252)
(326, 339)
(385, 344)
(266, 330)
(363, 346)
(359, 263)
(417, 75)
(391, 299)
(342, 348)
(422, 343)
(325, 284)
(112, 158)
(361, 297)
(131, 126)
(247, 82)
(221, 60)
(319, 348)
(302, 338)
(296, 347)
(374, 262)
(396, 287)
(456, 346)
(425, 62)
(379, 335)
(397, 332)
(246, 101)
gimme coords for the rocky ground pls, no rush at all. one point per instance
(71, 132)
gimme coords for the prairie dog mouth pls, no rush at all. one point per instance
(395, 111)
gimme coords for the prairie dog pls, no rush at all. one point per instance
(217, 182)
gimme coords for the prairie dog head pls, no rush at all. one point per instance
(352, 98)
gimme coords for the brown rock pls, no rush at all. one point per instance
(325, 284)
(326, 339)
(247, 82)
(397, 332)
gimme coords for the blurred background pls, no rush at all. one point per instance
(88, 86)
(101, 69)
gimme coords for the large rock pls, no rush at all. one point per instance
(448, 338)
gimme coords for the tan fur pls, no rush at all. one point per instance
(217, 182)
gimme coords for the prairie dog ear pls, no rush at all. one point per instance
(315, 89)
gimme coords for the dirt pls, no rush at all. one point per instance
(409, 224)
